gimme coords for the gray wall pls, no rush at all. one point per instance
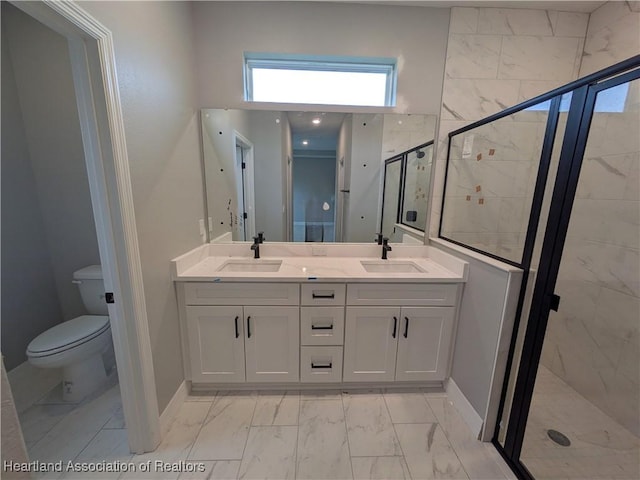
(417, 36)
(313, 180)
(364, 177)
(42, 69)
(266, 136)
(26, 262)
(154, 59)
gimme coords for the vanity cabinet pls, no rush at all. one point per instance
(388, 341)
(242, 332)
(317, 332)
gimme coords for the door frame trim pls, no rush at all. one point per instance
(93, 62)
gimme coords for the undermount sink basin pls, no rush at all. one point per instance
(391, 266)
(250, 266)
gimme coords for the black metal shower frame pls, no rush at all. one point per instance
(584, 93)
(401, 157)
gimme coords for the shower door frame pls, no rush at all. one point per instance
(575, 138)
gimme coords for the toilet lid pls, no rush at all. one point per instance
(69, 333)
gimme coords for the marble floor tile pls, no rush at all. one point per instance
(38, 420)
(29, 384)
(320, 395)
(323, 448)
(270, 453)
(109, 446)
(224, 433)
(176, 443)
(273, 408)
(409, 408)
(428, 453)
(117, 420)
(218, 470)
(477, 461)
(369, 426)
(72, 434)
(380, 468)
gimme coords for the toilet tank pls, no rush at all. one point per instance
(89, 281)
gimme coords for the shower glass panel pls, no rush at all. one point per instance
(391, 195)
(416, 187)
(584, 417)
(491, 175)
(563, 112)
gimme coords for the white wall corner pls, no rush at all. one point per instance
(464, 407)
(172, 407)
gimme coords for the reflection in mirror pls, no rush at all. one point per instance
(304, 176)
(407, 179)
(417, 177)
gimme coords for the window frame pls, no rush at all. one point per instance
(320, 63)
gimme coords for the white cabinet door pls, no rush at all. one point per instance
(272, 343)
(424, 343)
(216, 344)
(370, 344)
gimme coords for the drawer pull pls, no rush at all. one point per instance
(395, 327)
(321, 365)
(237, 331)
(406, 327)
(321, 327)
(249, 326)
(323, 295)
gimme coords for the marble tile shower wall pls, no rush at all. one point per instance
(492, 173)
(496, 58)
(593, 343)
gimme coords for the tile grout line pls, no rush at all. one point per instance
(404, 459)
(244, 449)
(295, 467)
(346, 428)
(195, 439)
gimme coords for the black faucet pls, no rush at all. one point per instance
(260, 237)
(385, 248)
(379, 238)
(256, 247)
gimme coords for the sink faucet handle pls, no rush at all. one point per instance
(260, 237)
(379, 238)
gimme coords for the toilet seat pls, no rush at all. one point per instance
(68, 335)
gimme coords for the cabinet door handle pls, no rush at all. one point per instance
(249, 326)
(406, 327)
(322, 327)
(321, 365)
(237, 331)
(323, 295)
(395, 327)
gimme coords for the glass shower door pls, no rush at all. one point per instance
(584, 418)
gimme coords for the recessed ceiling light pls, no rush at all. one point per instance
(315, 121)
(305, 142)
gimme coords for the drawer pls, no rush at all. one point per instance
(320, 364)
(202, 293)
(403, 294)
(321, 325)
(323, 294)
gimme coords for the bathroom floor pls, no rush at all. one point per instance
(304, 435)
(600, 448)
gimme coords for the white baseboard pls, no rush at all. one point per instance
(172, 408)
(470, 416)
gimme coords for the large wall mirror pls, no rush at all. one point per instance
(310, 176)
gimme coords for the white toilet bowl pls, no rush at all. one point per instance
(76, 346)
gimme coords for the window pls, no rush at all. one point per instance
(360, 81)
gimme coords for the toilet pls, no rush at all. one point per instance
(77, 346)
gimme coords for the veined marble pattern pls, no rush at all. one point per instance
(600, 447)
(333, 436)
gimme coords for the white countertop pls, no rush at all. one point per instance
(337, 264)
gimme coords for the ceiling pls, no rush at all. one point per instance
(322, 136)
